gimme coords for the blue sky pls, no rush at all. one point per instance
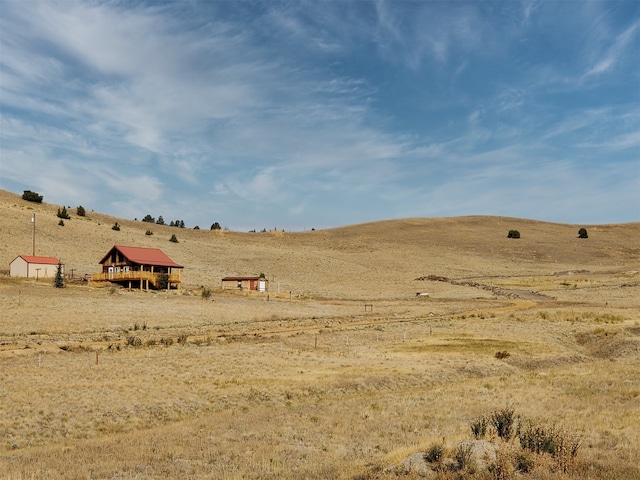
(297, 115)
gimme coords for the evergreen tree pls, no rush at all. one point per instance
(30, 196)
(80, 211)
(62, 213)
(59, 280)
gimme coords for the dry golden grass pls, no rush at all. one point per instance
(309, 384)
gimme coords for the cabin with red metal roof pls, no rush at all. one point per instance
(138, 267)
(34, 266)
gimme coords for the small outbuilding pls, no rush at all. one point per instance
(258, 284)
(33, 266)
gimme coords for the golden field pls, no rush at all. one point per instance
(341, 372)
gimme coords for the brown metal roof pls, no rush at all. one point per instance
(144, 256)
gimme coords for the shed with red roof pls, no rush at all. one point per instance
(34, 266)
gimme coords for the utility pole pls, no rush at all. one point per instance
(33, 220)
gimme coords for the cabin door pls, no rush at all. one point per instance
(110, 272)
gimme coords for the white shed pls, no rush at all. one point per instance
(31, 266)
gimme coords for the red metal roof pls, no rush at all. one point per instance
(239, 279)
(37, 259)
(144, 256)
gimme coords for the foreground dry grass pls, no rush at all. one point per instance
(105, 383)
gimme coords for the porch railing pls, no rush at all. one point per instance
(131, 275)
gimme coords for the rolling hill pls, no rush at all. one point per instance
(371, 260)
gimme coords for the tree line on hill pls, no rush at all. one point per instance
(63, 215)
(177, 223)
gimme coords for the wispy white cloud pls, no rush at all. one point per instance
(617, 50)
(308, 106)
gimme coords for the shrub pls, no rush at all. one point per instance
(582, 233)
(206, 293)
(434, 453)
(134, 341)
(502, 354)
(116, 227)
(61, 223)
(542, 439)
(479, 427)
(513, 234)
(462, 455)
(524, 463)
(80, 211)
(62, 213)
(30, 196)
(160, 220)
(167, 342)
(182, 339)
(148, 232)
(173, 238)
(196, 227)
(163, 281)
(215, 226)
(504, 422)
(149, 219)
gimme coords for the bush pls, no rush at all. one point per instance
(163, 281)
(182, 339)
(479, 427)
(173, 238)
(206, 293)
(30, 196)
(513, 234)
(502, 354)
(160, 220)
(435, 453)
(504, 422)
(61, 223)
(148, 232)
(80, 211)
(116, 227)
(149, 219)
(215, 226)
(463, 455)
(62, 213)
(524, 463)
(582, 233)
(134, 341)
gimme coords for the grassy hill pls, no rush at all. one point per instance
(377, 260)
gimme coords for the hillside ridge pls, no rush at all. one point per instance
(383, 257)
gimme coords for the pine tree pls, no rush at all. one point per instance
(59, 280)
(62, 213)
